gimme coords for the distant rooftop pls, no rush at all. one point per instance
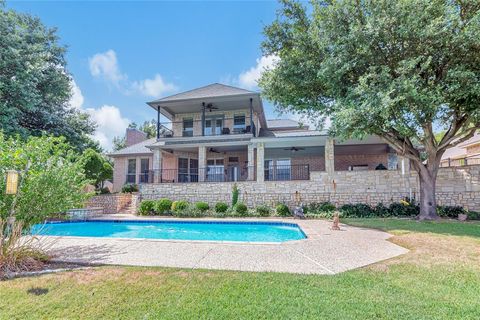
(284, 124)
(138, 148)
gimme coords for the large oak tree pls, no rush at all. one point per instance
(399, 69)
(35, 86)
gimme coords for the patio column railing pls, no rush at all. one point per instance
(260, 162)
(330, 156)
(202, 161)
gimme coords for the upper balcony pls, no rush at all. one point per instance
(215, 111)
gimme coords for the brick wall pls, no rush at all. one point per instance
(120, 169)
(455, 186)
(134, 136)
(343, 162)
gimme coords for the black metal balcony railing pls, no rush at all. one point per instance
(193, 175)
(212, 127)
(466, 161)
(287, 172)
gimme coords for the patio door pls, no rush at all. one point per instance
(215, 170)
(187, 170)
(214, 125)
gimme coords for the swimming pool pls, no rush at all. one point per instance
(176, 230)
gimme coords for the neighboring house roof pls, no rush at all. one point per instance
(268, 133)
(138, 148)
(460, 151)
(279, 124)
(209, 91)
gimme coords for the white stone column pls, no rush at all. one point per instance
(157, 165)
(260, 162)
(329, 156)
(202, 163)
(404, 165)
(251, 162)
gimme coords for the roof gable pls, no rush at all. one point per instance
(209, 91)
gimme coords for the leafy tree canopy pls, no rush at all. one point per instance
(35, 87)
(396, 69)
(52, 179)
(97, 167)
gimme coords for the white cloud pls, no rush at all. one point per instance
(76, 100)
(109, 120)
(155, 87)
(110, 123)
(249, 79)
(105, 65)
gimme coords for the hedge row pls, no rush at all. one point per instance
(313, 210)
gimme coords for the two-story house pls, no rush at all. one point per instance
(219, 133)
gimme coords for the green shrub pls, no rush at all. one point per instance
(382, 211)
(282, 210)
(146, 207)
(473, 215)
(221, 207)
(190, 211)
(320, 215)
(404, 208)
(241, 209)
(163, 206)
(319, 207)
(450, 211)
(263, 211)
(359, 210)
(129, 188)
(179, 206)
(234, 195)
(202, 206)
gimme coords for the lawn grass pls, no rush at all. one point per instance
(438, 279)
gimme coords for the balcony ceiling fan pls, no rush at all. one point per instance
(210, 107)
(294, 149)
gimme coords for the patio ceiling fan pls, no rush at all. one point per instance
(294, 149)
(210, 107)
(213, 150)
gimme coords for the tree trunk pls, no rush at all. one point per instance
(428, 203)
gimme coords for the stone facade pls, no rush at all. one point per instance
(114, 203)
(455, 186)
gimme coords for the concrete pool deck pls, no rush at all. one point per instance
(323, 252)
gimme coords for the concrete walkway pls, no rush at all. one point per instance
(323, 252)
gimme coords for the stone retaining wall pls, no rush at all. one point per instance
(455, 186)
(113, 203)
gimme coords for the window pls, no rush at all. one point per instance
(144, 170)
(187, 127)
(131, 170)
(239, 123)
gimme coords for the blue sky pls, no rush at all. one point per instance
(122, 54)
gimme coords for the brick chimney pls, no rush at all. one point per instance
(134, 136)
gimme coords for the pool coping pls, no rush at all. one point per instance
(324, 251)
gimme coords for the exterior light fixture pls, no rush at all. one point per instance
(12, 182)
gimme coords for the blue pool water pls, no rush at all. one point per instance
(178, 230)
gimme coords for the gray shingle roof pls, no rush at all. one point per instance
(282, 123)
(209, 91)
(138, 148)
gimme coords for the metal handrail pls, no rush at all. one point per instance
(167, 131)
(459, 162)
